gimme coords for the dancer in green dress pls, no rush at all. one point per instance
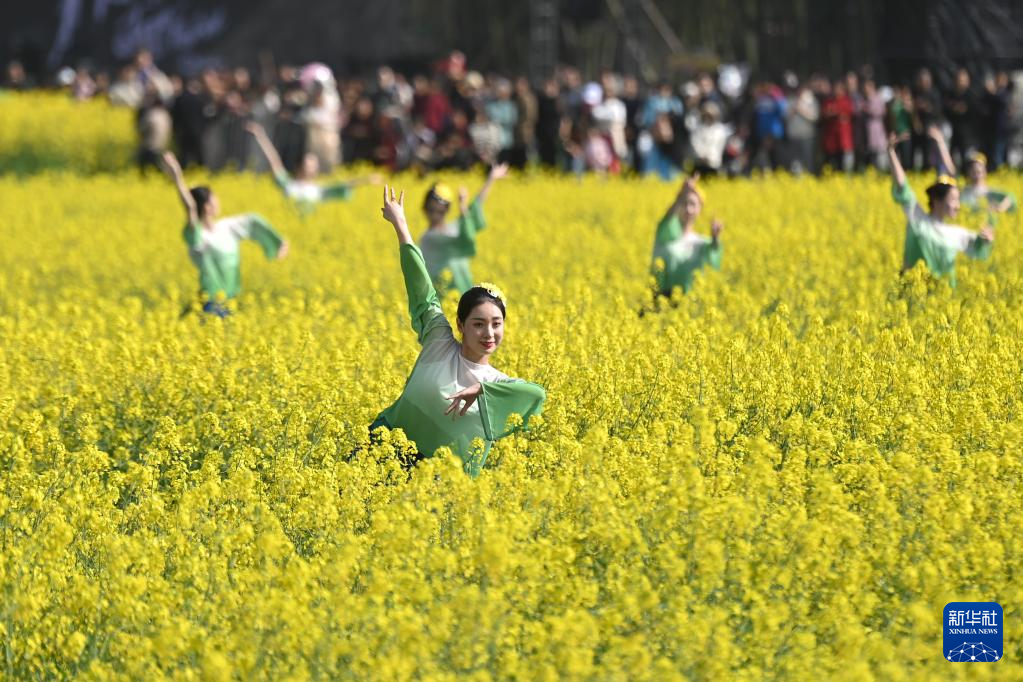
(302, 189)
(213, 244)
(447, 247)
(929, 235)
(454, 396)
(679, 250)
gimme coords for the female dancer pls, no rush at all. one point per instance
(454, 395)
(213, 244)
(447, 247)
(928, 236)
(679, 251)
(976, 195)
(302, 189)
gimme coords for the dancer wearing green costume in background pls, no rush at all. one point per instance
(929, 237)
(447, 247)
(679, 250)
(977, 196)
(213, 245)
(454, 395)
(302, 189)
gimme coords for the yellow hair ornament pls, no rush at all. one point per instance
(494, 291)
(442, 192)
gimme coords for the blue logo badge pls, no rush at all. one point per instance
(973, 632)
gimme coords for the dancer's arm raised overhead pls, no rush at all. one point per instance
(934, 132)
(424, 305)
(173, 169)
(267, 146)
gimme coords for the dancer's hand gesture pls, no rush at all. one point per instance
(715, 229)
(394, 213)
(463, 400)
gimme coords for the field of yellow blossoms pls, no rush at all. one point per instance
(785, 476)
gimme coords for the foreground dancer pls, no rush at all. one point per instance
(929, 237)
(302, 189)
(454, 395)
(679, 251)
(213, 244)
(447, 247)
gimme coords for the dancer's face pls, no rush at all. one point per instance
(482, 330)
(949, 206)
(976, 172)
(212, 210)
(436, 212)
(691, 207)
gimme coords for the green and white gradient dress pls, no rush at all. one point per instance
(934, 242)
(977, 200)
(441, 370)
(677, 255)
(307, 195)
(215, 252)
(447, 250)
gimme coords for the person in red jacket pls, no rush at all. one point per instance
(837, 134)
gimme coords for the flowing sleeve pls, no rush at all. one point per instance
(712, 254)
(996, 197)
(501, 399)
(668, 230)
(470, 224)
(338, 191)
(978, 248)
(281, 180)
(192, 235)
(423, 305)
(904, 197)
(256, 228)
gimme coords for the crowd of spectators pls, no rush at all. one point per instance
(453, 117)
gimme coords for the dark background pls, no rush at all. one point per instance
(652, 38)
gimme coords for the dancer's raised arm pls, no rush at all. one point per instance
(173, 169)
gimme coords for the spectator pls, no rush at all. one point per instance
(502, 111)
(360, 135)
(431, 104)
(999, 123)
(322, 120)
(632, 100)
(769, 112)
(16, 78)
(548, 123)
(801, 126)
(837, 136)
(961, 110)
(900, 115)
(486, 136)
(926, 113)
(611, 116)
(154, 126)
(708, 140)
(526, 120)
(875, 134)
(662, 101)
(852, 88)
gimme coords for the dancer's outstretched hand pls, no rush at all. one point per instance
(463, 400)
(499, 171)
(394, 209)
(716, 227)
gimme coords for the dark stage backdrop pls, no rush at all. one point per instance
(895, 36)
